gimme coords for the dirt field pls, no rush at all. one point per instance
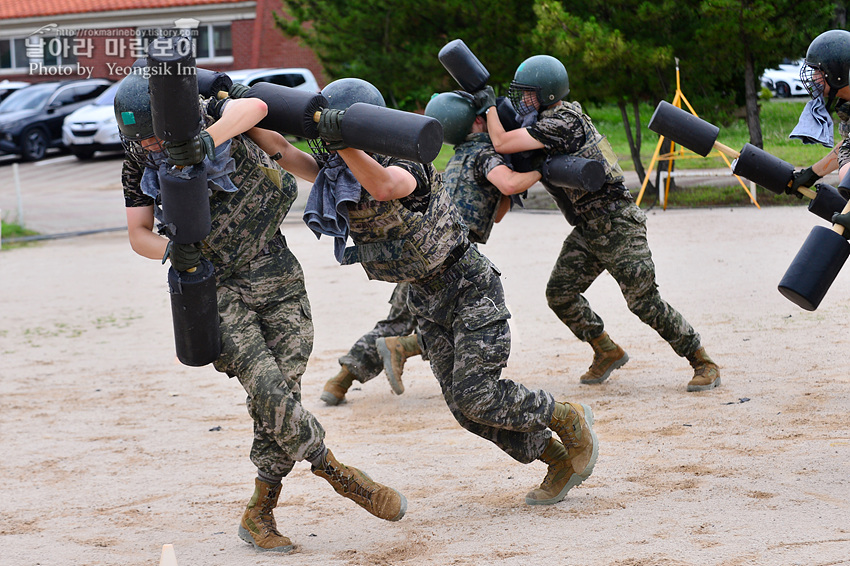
(111, 448)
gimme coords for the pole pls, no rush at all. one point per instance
(17, 181)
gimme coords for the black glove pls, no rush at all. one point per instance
(183, 256)
(190, 151)
(842, 220)
(330, 128)
(805, 178)
(484, 99)
(237, 90)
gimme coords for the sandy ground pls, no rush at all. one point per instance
(111, 448)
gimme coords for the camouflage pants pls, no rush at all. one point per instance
(363, 359)
(267, 336)
(616, 243)
(463, 322)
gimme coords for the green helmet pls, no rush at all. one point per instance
(545, 76)
(133, 106)
(455, 112)
(829, 56)
(342, 93)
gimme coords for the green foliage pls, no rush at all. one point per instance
(394, 45)
(12, 230)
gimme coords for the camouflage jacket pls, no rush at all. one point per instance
(243, 221)
(566, 130)
(405, 239)
(465, 178)
(842, 110)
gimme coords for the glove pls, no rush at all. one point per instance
(190, 151)
(805, 178)
(842, 220)
(330, 128)
(183, 256)
(484, 99)
(237, 90)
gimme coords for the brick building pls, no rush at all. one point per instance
(62, 39)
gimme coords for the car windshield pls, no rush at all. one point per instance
(27, 98)
(107, 97)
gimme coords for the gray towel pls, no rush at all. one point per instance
(815, 125)
(218, 171)
(325, 211)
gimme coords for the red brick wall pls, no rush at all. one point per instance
(255, 44)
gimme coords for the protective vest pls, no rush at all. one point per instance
(476, 198)
(598, 148)
(397, 244)
(244, 221)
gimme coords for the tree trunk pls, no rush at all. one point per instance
(753, 119)
(634, 146)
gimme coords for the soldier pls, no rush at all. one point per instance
(266, 326)
(406, 229)
(826, 75)
(480, 183)
(610, 230)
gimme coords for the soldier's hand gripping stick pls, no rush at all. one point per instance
(816, 266)
(463, 66)
(364, 126)
(700, 137)
(175, 112)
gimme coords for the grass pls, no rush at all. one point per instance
(12, 230)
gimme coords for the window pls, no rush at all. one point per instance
(214, 41)
(13, 53)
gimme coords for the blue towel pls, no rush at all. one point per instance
(815, 125)
(325, 211)
(218, 171)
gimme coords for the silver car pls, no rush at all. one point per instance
(93, 127)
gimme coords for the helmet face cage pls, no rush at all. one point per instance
(523, 97)
(134, 149)
(813, 78)
(320, 150)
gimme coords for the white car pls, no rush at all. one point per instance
(294, 77)
(785, 81)
(93, 127)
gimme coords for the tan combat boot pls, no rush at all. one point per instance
(395, 350)
(379, 500)
(559, 479)
(573, 423)
(337, 386)
(607, 357)
(706, 373)
(258, 526)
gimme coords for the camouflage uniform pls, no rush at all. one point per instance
(842, 110)
(459, 304)
(477, 200)
(266, 324)
(609, 234)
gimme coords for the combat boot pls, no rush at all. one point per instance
(607, 356)
(337, 386)
(258, 525)
(395, 350)
(379, 500)
(559, 479)
(706, 373)
(573, 423)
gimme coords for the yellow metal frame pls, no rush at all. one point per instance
(680, 153)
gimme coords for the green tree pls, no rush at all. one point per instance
(394, 44)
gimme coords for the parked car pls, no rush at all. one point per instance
(93, 127)
(785, 81)
(294, 77)
(31, 118)
(7, 87)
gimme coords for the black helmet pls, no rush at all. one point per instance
(545, 76)
(133, 105)
(455, 112)
(342, 93)
(827, 61)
